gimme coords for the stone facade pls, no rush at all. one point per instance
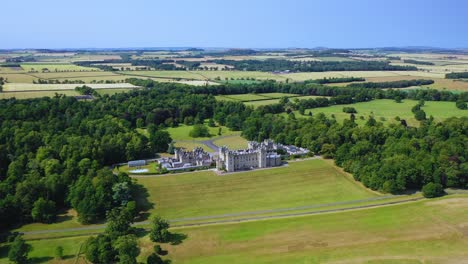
(257, 155)
(187, 159)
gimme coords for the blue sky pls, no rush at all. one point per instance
(239, 23)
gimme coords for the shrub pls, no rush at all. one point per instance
(199, 130)
(432, 190)
(349, 110)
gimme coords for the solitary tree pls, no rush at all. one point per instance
(59, 252)
(432, 190)
(19, 250)
(159, 230)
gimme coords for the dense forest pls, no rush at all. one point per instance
(271, 65)
(55, 152)
(391, 159)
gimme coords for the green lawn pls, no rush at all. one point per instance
(190, 145)
(205, 193)
(246, 97)
(256, 104)
(389, 109)
(232, 142)
(277, 95)
(182, 132)
(428, 231)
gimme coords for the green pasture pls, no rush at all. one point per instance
(206, 193)
(385, 110)
(232, 142)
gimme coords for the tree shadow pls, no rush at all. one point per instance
(68, 257)
(4, 251)
(143, 204)
(177, 238)
(40, 259)
(63, 218)
(141, 232)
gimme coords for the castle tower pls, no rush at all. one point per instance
(262, 157)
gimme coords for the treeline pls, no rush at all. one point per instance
(272, 65)
(336, 80)
(390, 158)
(456, 75)
(394, 84)
(51, 81)
(2, 82)
(418, 62)
(356, 93)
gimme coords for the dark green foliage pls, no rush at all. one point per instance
(99, 250)
(456, 75)
(211, 123)
(418, 62)
(336, 80)
(312, 66)
(420, 115)
(389, 158)
(349, 110)
(461, 105)
(199, 130)
(86, 90)
(59, 252)
(154, 259)
(394, 84)
(119, 222)
(159, 140)
(127, 249)
(19, 250)
(159, 230)
(432, 190)
(43, 211)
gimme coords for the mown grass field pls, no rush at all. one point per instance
(428, 231)
(182, 132)
(389, 109)
(190, 145)
(205, 193)
(232, 142)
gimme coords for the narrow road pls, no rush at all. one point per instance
(245, 219)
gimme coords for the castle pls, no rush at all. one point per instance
(187, 159)
(257, 155)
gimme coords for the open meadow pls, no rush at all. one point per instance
(425, 231)
(385, 110)
(205, 193)
(428, 231)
